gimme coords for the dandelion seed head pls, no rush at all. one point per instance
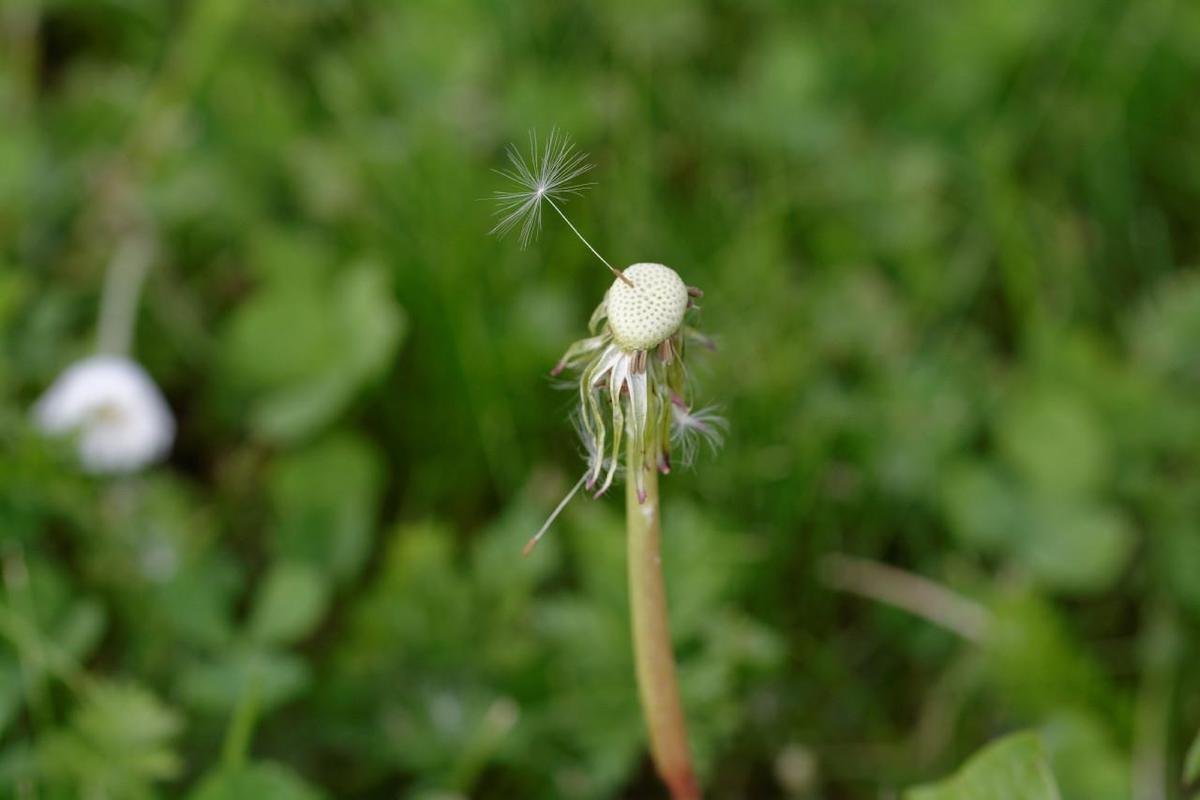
(643, 315)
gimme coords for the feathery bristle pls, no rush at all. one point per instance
(551, 173)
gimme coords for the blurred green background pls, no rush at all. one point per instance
(948, 252)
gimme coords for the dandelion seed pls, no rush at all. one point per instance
(551, 174)
(595, 462)
(537, 537)
(690, 429)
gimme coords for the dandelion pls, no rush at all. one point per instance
(633, 380)
(633, 392)
(120, 419)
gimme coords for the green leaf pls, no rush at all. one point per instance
(1085, 758)
(421, 598)
(118, 744)
(1013, 768)
(43, 605)
(365, 328)
(984, 509)
(196, 605)
(81, 628)
(1056, 443)
(326, 498)
(1071, 543)
(1040, 667)
(10, 691)
(291, 602)
(1078, 547)
(305, 344)
(1167, 327)
(216, 687)
(262, 781)
(1191, 763)
(282, 334)
(18, 764)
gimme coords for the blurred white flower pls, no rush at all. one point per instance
(114, 408)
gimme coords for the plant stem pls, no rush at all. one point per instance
(654, 658)
(916, 595)
(122, 288)
(241, 726)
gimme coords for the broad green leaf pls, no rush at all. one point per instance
(421, 598)
(307, 342)
(1191, 763)
(1040, 667)
(1071, 543)
(1167, 327)
(1085, 758)
(290, 603)
(280, 336)
(196, 605)
(1013, 768)
(217, 686)
(81, 628)
(1054, 440)
(261, 781)
(366, 325)
(10, 691)
(1076, 546)
(19, 764)
(326, 498)
(1176, 557)
(986, 511)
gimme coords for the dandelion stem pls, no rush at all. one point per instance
(611, 268)
(655, 661)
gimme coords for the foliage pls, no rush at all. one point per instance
(267, 781)
(1011, 769)
(949, 253)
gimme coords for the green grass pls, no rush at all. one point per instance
(948, 253)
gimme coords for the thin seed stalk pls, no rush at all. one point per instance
(655, 661)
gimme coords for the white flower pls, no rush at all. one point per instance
(114, 408)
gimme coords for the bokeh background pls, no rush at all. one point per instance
(948, 252)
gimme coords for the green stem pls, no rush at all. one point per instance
(122, 288)
(657, 683)
(241, 726)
